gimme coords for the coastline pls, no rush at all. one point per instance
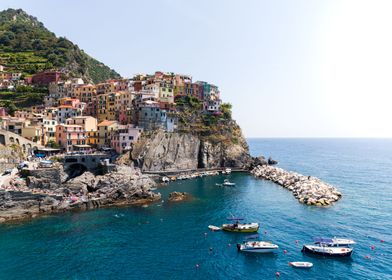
(308, 190)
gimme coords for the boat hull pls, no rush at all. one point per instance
(325, 252)
(301, 264)
(229, 228)
(256, 250)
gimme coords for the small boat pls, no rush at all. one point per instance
(226, 182)
(237, 227)
(327, 250)
(257, 246)
(301, 264)
(219, 185)
(214, 228)
(165, 179)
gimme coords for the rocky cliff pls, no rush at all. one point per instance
(172, 152)
(35, 196)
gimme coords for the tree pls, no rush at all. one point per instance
(226, 110)
(52, 144)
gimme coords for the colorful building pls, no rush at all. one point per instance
(68, 136)
(105, 129)
(45, 78)
(122, 139)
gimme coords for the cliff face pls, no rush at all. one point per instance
(164, 151)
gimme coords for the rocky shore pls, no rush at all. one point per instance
(307, 189)
(38, 195)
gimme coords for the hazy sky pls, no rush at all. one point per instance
(290, 68)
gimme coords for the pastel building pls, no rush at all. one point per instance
(122, 139)
(123, 107)
(49, 126)
(68, 136)
(69, 107)
(34, 133)
(105, 129)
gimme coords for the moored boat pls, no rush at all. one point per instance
(326, 250)
(257, 246)
(214, 228)
(227, 183)
(237, 227)
(301, 264)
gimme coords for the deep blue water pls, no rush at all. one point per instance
(167, 240)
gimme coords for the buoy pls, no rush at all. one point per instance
(296, 241)
(277, 274)
(265, 232)
(197, 266)
(372, 247)
(205, 234)
(210, 248)
(229, 244)
(382, 240)
(285, 251)
(367, 257)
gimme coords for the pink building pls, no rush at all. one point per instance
(3, 112)
(69, 135)
(122, 139)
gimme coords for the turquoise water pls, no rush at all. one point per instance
(167, 240)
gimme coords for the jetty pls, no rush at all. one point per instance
(308, 190)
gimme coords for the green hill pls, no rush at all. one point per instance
(28, 47)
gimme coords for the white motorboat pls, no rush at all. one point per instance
(226, 182)
(165, 179)
(301, 264)
(214, 228)
(327, 250)
(257, 246)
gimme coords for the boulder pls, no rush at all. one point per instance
(178, 196)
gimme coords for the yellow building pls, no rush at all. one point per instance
(34, 133)
(85, 93)
(107, 107)
(104, 88)
(92, 138)
(105, 129)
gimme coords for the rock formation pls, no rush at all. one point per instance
(35, 196)
(173, 152)
(308, 190)
(178, 196)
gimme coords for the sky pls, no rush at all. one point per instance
(304, 68)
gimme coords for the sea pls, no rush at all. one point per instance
(170, 240)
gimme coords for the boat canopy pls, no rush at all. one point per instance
(322, 240)
(235, 219)
(253, 236)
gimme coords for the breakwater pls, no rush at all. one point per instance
(308, 190)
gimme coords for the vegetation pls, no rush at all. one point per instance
(22, 99)
(28, 47)
(53, 144)
(212, 127)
